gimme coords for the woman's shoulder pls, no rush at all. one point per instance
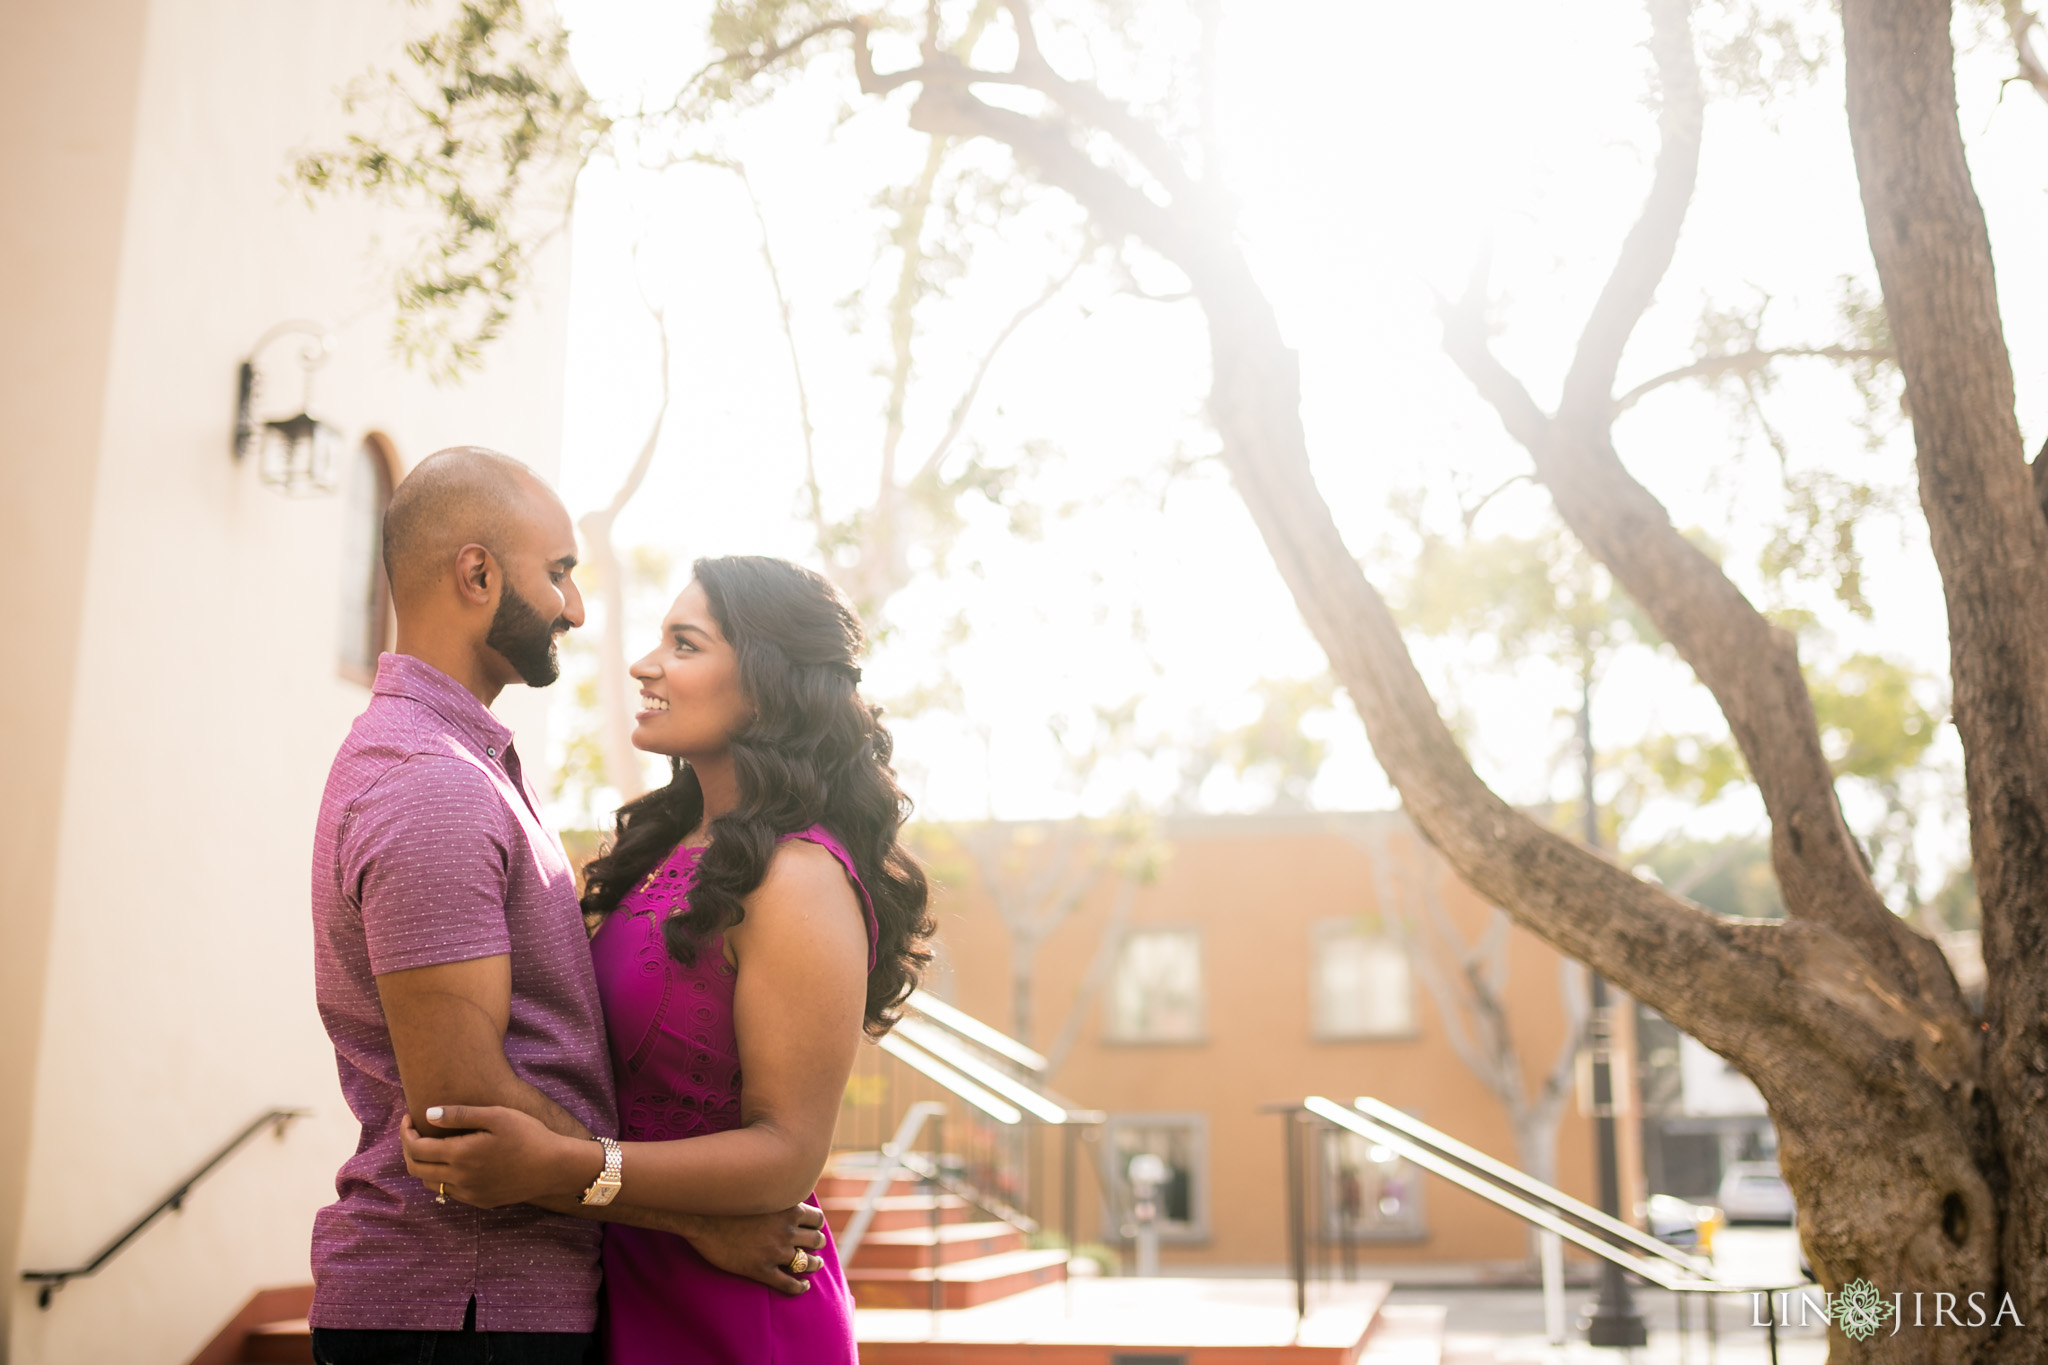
(807, 861)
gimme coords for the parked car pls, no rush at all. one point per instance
(1681, 1223)
(1755, 1192)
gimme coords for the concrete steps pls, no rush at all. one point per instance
(978, 1260)
(962, 1284)
(269, 1330)
(1407, 1334)
(908, 1248)
(894, 1211)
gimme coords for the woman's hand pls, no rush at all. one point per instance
(505, 1157)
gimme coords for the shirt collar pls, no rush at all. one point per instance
(402, 675)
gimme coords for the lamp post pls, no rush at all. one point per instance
(299, 455)
(1614, 1321)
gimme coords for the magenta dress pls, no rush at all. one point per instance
(677, 1066)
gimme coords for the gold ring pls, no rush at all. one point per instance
(800, 1264)
(441, 1195)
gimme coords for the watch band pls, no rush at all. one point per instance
(606, 1187)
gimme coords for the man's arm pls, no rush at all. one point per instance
(757, 1246)
(447, 1028)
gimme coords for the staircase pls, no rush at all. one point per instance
(918, 1237)
(270, 1330)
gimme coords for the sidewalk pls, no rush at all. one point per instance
(1485, 1324)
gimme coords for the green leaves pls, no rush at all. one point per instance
(1871, 724)
(483, 130)
(1532, 595)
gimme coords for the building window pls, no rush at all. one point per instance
(1182, 1142)
(1360, 985)
(365, 597)
(1156, 994)
(1369, 1193)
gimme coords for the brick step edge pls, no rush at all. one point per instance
(970, 1271)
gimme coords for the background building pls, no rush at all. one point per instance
(1219, 964)
(186, 647)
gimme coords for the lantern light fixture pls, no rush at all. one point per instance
(299, 456)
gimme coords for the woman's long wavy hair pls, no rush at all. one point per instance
(814, 753)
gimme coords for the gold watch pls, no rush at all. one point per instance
(606, 1187)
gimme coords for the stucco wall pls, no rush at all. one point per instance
(206, 703)
(67, 118)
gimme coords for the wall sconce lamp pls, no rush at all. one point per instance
(299, 455)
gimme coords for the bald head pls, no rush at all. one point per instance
(464, 495)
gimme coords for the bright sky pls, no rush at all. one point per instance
(1372, 149)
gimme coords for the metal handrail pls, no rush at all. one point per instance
(1389, 1117)
(925, 1168)
(1543, 1206)
(277, 1120)
(980, 1065)
(940, 1043)
(893, 1152)
(967, 1026)
(1669, 1269)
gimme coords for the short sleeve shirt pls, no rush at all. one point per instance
(431, 850)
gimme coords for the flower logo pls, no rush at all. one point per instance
(1859, 1310)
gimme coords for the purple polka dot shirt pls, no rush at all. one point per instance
(431, 850)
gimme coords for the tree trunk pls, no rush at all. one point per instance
(615, 721)
(615, 717)
(1933, 255)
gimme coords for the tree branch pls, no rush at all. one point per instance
(958, 422)
(2023, 24)
(1750, 666)
(753, 63)
(621, 759)
(1099, 968)
(1081, 100)
(1028, 56)
(813, 492)
(1647, 250)
(1745, 362)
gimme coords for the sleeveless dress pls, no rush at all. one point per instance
(677, 1066)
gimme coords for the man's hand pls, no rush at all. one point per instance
(499, 1156)
(760, 1246)
(755, 1246)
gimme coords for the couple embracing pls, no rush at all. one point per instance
(553, 1113)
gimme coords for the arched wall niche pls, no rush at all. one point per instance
(366, 625)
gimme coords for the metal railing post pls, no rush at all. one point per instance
(1297, 1246)
(885, 1175)
(938, 1194)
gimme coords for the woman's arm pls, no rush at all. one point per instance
(798, 1003)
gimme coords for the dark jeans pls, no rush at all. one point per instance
(466, 1347)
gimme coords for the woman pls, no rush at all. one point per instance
(754, 916)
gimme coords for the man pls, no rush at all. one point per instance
(451, 963)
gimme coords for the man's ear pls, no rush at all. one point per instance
(476, 574)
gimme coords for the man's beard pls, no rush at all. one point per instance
(525, 638)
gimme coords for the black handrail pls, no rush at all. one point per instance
(277, 1120)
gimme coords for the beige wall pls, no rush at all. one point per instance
(67, 116)
(1254, 886)
(205, 705)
